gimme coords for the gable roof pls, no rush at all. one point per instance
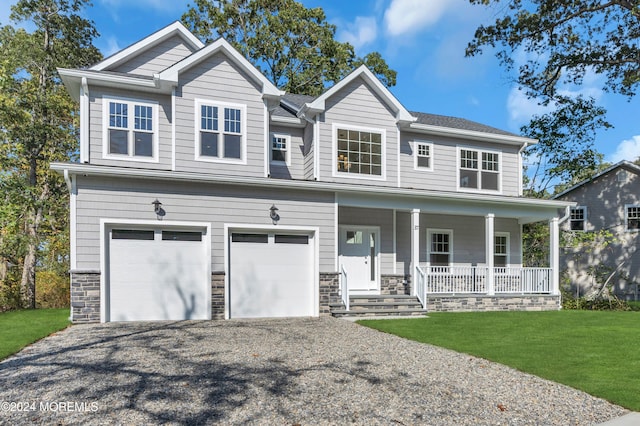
(220, 45)
(457, 123)
(158, 37)
(318, 104)
(624, 164)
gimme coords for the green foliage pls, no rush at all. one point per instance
(52, 290)
(570, 302)
(293, 46)
(21, 328)
(596, 352)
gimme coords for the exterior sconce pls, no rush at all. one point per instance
(273, 214)
(157, 209)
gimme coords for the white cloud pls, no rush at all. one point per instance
(521, 108)
(628, 149)
(410, 16)
(361, 32)
(111, 47)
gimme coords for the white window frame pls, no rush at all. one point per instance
(479, 170)
(584, 218)
(507, 255)
(199, 102)
(334, 152)
(131, 104)
(430, 233)
(416, 149)
(626, 217)
(287, 155)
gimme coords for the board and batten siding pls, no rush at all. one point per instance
(218, 79)
(113, 198)
(357, 105)
(373, 217)
(444, 170)
(468, 238)
(295, 170)
(162, 128)
(156, 58)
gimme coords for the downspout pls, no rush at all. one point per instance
(67, 180)
(84, 121)
(520, 172)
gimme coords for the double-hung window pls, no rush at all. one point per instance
(359, 151)
(479, 169)
(280, 148)
(577, 220)
(220, 131)
(423, 156)
(130, 129)
(439, 249)
(501, 250)
(632, 217)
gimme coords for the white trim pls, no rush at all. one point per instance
(584, 219)
(287, 138)
(110, 223)
(479, 151)
(430, 232)
(313, 231)
(131, 103)
(429, 144)
(84, 121)
(175, 28)
(508, 236)
(316, 148)
(289, 121)
(334, 152)
(336, 234)
(378, 242)
(395, 242)
(267, 140)
(173, 129)
(198, 102)
(626, 217)
(72, 79)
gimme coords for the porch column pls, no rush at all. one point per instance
(415, 245)
(489, 251)
(554, 255)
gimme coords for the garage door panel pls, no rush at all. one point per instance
(271, 280)
(157, 280)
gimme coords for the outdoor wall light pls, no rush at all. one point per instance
(273, 214)
(157, 208)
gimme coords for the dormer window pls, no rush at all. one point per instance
(220, 131)
(130, 130)
(280, 148)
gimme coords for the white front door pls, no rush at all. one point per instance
(359, 249)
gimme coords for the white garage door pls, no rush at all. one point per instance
(157, 274)
(271, 275)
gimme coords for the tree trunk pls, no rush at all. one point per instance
(28, 282)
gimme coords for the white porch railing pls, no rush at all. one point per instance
(473, 279)
(344, 287)
(421, 287)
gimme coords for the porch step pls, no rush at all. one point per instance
(383, 305)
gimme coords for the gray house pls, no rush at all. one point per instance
(609, 201)
(203, 191)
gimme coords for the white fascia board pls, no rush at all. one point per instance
(288, 121)
(318, 105)
(145, 43)
(171, 74)
(121, 172)
(72, 79)
(624, 163)
(470, 134)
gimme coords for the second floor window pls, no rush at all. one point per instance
(220, 131)
(578, 219)
(279, 148)
(130, 129)
(479, 170)
(424, 155)
(359, 152)
(633, 218)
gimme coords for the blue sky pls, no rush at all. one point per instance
(424, 40)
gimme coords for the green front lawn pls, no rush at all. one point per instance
(597, 352)
(21, 328)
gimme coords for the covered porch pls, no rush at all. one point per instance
(463, 251)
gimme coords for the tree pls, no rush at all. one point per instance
(293, 46)
(37, 127)
(563, 42)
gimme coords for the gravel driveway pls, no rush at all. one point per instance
(282, 372)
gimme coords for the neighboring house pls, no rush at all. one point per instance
(203, 191)
(608, 201)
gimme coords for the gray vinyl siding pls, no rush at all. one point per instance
(357, 105)
(380, 218)
(468, 239)
(156, 58)
(444, 172)
(218, 79)
(295, 170)
(163, 128)
(126, 199)
(309, 149)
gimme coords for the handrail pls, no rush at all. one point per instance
(421, 287)
(344, 287)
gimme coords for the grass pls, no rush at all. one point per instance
(597, 352)
(21, 328)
